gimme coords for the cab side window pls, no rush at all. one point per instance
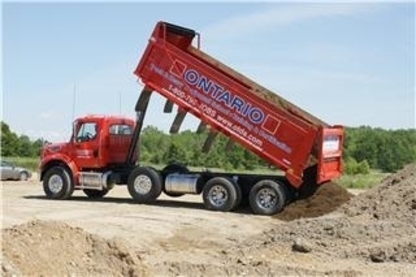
(87, 131)
(120, 129)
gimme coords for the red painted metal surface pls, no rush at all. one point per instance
(104, 149)
(266, 124)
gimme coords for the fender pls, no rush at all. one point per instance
(58, 158)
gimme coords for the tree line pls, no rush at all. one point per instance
(387, 150)
(13, 145)
(364, 148)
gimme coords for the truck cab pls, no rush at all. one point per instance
(91, 159)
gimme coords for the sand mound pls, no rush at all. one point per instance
(55, 248)
(378, 225)
(394, 198)
(325, 199)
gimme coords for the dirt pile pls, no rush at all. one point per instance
(378, 225)
(394, 198)
(55, 248)
(327, 198)
(343, 237)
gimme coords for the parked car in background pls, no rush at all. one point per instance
(11, 172)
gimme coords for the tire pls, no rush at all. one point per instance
(57, 183)
(220, 194)
(267, 197)
(239, 194)
(144, 184)
(245, 183)
(23, 176)
(92, 193)
(173, 168)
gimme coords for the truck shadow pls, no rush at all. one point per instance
(159, 203)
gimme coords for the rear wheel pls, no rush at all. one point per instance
(267, 197)
(144, 184)
(92, 193)
(57, 183)
(220, 194)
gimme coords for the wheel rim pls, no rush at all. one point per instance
(266, 198)
(142, 184)
(23, 176)
(55, 183)
(217, 196)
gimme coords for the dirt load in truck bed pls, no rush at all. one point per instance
(373, 234)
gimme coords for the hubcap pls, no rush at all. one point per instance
(142, 184)
(55, 183)
(266, 198)
(23, 176)
(218, 195)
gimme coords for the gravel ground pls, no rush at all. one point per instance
(371, 234)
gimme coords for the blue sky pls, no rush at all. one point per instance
(351, 64)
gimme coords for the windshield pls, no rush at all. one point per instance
(87, 131)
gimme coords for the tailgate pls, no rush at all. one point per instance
(330, 153)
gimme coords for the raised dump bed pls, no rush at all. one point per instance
(261, 121)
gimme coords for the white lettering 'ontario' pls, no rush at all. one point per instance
(221, 95)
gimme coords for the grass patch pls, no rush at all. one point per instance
(361, 181)
(26, 162)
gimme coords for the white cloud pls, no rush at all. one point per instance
(279, 15)
(46, 115)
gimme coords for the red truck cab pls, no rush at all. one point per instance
(97, 148)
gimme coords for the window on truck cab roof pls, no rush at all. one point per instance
(120, 129)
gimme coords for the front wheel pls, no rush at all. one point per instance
(57, 183)
(267, 197)
(23, 176)
(144, 184)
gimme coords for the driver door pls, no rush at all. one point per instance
(6, 170)
(86, 144)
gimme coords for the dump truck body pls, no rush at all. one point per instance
(104, 150)
(263, 122)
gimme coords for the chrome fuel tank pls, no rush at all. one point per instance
(183, 183)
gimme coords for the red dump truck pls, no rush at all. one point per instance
(103, 150)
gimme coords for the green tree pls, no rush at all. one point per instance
(9, 141)
(175, 154)
(388, 150)
(25, 147)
